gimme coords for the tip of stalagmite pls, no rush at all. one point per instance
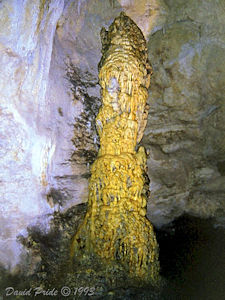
(123, 14)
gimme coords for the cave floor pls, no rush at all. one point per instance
(192, 260)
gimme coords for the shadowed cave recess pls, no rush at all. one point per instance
(150, 162)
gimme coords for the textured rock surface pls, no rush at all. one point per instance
(186, 132)
(76, 54)
(26, 140)
(115, 227)
(50, 98)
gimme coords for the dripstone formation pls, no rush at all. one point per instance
(115, 227)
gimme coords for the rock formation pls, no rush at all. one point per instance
(115, 227)
(50, 97)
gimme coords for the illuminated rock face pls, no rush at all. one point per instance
(115, 226)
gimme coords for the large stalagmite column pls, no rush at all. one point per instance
(115, 227)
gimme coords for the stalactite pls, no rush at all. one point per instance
(116, 227)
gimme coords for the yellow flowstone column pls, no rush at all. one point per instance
(116, 227)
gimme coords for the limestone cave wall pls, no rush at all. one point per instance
(50, 96)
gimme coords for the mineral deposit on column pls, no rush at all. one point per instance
(115, 227)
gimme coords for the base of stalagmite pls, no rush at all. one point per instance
(119, 234)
